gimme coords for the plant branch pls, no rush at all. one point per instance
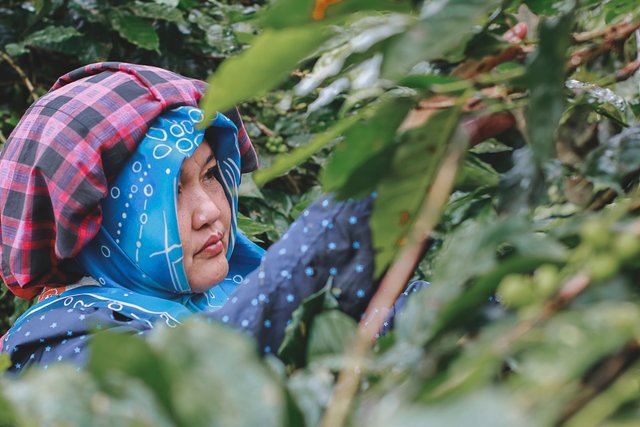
(473, 67)
(606, 374)
(628, 70)
(611, 31)
(263, 128)
(21, 73)
(612, 35)
(395, 281)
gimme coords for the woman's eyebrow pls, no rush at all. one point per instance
(211, 157)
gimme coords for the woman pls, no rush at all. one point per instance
(120, 213)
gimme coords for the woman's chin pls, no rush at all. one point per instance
(201, 279)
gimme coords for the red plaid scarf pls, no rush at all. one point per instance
(56, 163)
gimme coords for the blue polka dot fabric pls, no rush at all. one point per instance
(291, 270)
(330, 239)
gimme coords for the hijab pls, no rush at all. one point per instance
(138, 246)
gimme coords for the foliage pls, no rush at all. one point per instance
(533, 312)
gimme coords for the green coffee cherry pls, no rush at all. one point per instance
(275, 144)
(596, 233)
(546, 280)
(515, 291)
(626, 246)
(603, 266)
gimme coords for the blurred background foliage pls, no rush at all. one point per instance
(533, 315)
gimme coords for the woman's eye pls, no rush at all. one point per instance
(211, 173)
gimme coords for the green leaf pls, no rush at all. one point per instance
(465, 306)
(332, 333)
(60, 395)
(554, 7)
(475, 174)
(311, 390)
(40, 5)
(157, 11)
(449, 300)
(610, 163)
(484, 408)
(288, 13)
(433, 82)
(293, 350)
(354, 168)
(603, 101)
(170, 3)
(214, 372)
(7, 413)
(5, 362)
(403, 187)
(445, 25)
(45, 38)
(545, 78)
(543, 7)
(261, 67)
(16, 49)
(252, 227)
(134, 358)
(285, 162)
(136, 30)
(616, 9)
(523, 186)
(572, 342)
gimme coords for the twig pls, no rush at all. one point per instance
(602, 32)
(603, 200)
(22, 75)
(569, 291)
(612, 35)
(473, 67)
(628, 70)
(609, 195)
(604, 376)
(394, 282)
(263, 128)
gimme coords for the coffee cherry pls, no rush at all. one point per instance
(546, 280)
(595, 233)
(515, 291)
(626, 246)
(603, 266)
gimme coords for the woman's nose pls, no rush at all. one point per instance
(205, 210)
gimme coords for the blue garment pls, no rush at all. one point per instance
(329, 240)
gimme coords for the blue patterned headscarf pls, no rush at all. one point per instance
(138, 246)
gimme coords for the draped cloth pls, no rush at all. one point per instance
(138, 247)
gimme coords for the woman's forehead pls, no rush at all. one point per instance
(202, 156)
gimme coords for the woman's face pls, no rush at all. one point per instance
(204, 219)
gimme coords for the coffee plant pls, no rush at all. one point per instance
(502, 141)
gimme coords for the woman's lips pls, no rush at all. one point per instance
(213, 246)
